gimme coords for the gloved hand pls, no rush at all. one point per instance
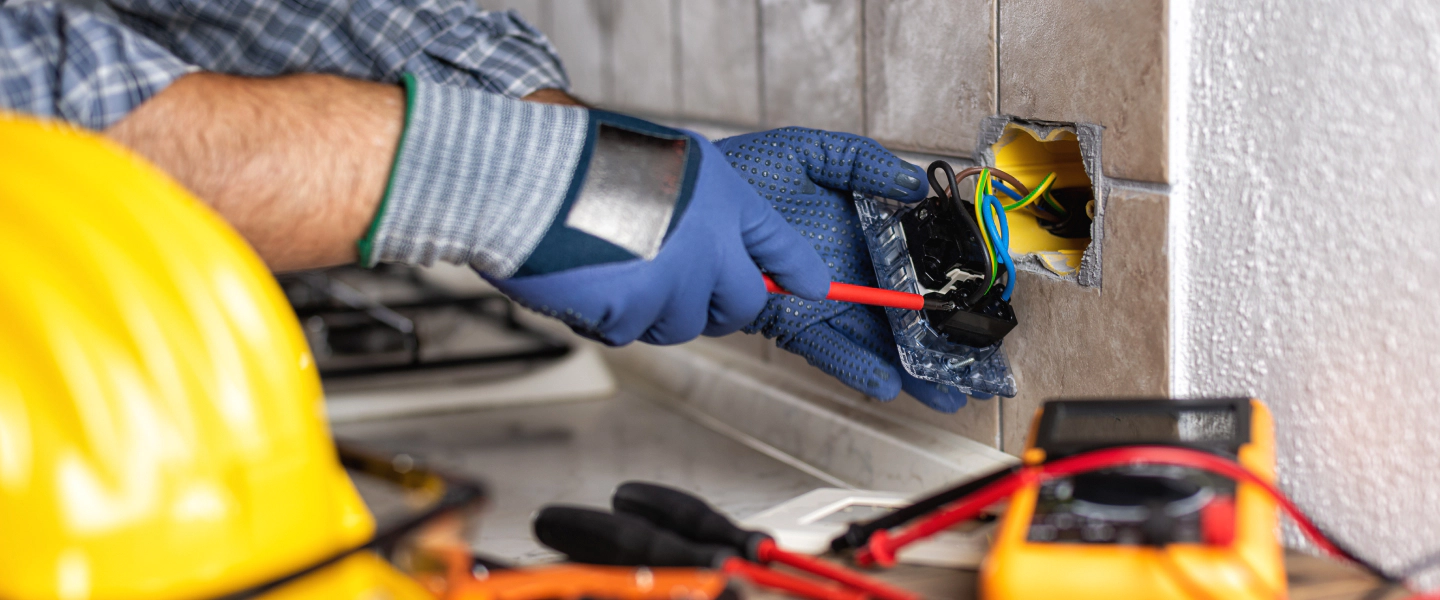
(808, 176)
(591, 269)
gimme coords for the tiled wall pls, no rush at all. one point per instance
(920, 75)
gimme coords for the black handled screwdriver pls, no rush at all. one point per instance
(591, 536)
(697, 521)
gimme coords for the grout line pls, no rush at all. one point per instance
(1142, 186)
(676, 58)
(761, 103)
(864, 69)
(1000, 423)
(546, 12)
(607, 46)
(995, 34)
(754, 443)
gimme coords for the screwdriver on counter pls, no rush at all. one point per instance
(659, 526)
(859, 294)
(589, 536)
(694, 519)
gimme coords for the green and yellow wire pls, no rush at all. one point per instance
(1035, 194)
(984, 184)
(980, 183)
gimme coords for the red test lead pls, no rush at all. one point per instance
(859, 294)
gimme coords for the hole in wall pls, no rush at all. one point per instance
(1060, 235)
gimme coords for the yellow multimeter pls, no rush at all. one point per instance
(1142, 531)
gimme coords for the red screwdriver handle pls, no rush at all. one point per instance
(860, 294)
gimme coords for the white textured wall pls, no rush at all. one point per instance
(1307, 264)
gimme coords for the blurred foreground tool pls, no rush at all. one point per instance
(572, 581)
(697, 521)
(1122, 499)
(596, 537)
(171, 420)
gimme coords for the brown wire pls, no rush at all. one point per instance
(1006, 177)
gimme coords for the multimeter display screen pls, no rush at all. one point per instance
(1067, 427)
(1191, 426)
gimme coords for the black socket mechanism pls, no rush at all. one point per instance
(950, 259)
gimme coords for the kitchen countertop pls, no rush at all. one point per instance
(577, 452)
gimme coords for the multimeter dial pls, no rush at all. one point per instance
(1131, 505)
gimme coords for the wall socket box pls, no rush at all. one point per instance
(1031, 150)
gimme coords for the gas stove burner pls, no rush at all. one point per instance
(366, 338)
(363, 323)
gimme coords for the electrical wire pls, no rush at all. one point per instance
(1002, 241)
(953, 192)
(990, 212)
(994, 172)
(882, 547)
(1009, 192)
(985, 183)
(994, 212)
(980, 219)
(1034, 194)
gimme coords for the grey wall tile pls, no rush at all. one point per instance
(720, 60)
(581, 31)
(537, 12)
(929, 72)
(1101, 61)
(1085, 342)
(811, 64)
(644, 50)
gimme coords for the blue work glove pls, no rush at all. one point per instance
(808, 176)
(602, 269)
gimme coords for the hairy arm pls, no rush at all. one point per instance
(297, 164)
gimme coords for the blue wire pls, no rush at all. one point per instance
(999, 183)
(990, 208)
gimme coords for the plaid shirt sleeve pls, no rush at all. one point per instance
(459, 64)
(71, 64)
(451, 42)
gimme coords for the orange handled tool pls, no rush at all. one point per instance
(859, 294)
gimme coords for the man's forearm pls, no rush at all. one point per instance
(297, 164)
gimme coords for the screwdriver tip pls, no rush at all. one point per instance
(939, 305)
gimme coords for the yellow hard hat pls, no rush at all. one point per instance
(162, 432)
